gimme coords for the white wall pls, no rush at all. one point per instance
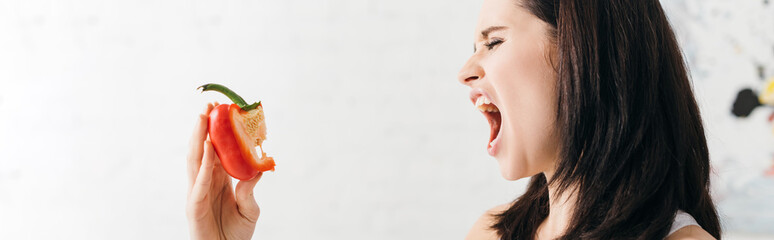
(373, 136)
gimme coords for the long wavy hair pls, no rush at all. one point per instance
(632, 141)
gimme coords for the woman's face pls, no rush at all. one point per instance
(513, 84)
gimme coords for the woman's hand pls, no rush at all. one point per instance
(214, 210)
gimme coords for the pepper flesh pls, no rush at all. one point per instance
(234, 134)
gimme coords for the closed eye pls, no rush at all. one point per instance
(493, 43)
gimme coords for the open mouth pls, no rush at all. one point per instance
(492, 114)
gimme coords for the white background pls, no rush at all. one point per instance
(373, 136)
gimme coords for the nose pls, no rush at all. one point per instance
(470, 72)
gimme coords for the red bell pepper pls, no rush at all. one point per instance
(235, 130)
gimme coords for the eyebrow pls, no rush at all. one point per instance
(485, 33)
(488, 30)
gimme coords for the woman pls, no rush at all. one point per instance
(594, 102)
(590, 98)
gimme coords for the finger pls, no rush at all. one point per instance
(203, 181)
(246, 203)
(219, 175)
(196, 144)
(196, 148)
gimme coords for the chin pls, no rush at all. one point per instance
(511, 170)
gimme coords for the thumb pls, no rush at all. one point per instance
(245, 199)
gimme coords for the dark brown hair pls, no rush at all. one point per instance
(633, 144)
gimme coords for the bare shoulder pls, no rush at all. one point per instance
(692, 232)
(481, 229)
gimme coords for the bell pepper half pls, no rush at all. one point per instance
(235, 130)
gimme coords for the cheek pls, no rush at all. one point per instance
(526, 86)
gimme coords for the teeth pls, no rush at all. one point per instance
(481, 101)
(485, 105)
(488, 108)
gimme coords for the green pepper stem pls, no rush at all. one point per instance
(239, 101)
